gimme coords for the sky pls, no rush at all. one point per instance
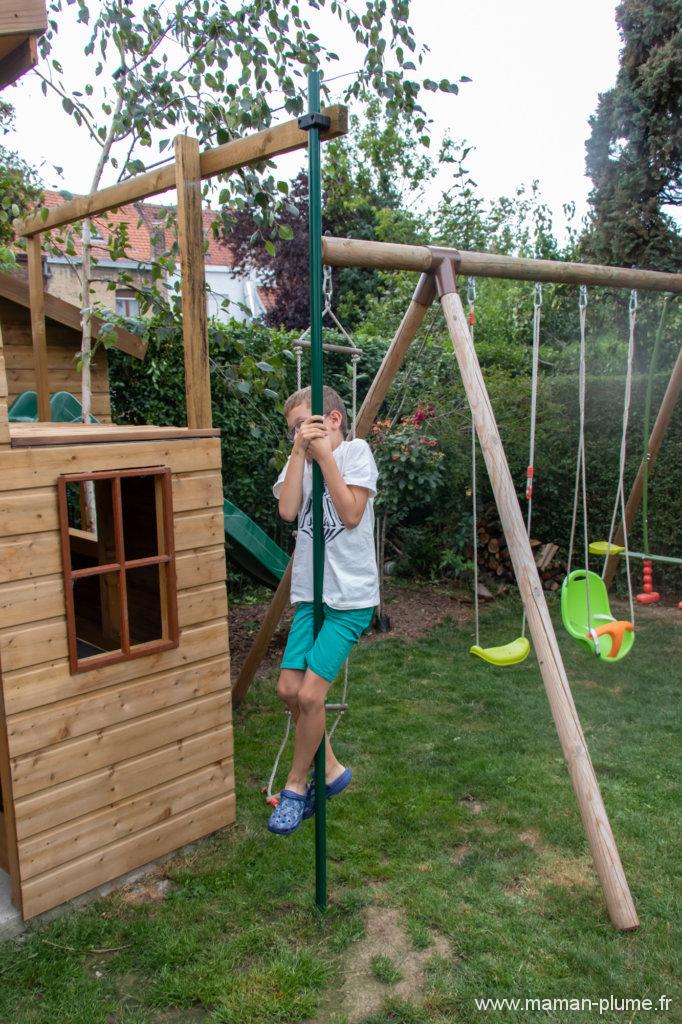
(537, 67)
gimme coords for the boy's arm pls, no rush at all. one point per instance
(349, 501)
(291, 494)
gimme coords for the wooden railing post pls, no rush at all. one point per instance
(4, 424)
(36, 291)
(193, 282)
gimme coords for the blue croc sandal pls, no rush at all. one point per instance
(288, 814)
(333, 789)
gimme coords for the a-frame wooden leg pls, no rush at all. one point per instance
(604, 851)
(421, 300)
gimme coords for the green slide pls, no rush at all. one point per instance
(251, 548)
(248, 546)
(65, 408)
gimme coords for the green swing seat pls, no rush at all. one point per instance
(615, 637)
(509, 654)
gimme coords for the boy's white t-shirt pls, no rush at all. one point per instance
(350, 569)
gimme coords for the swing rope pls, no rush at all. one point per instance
(299, 344)
(471, 299)
(580, 470)
(530, 473)
(517, 650)
(620, 493)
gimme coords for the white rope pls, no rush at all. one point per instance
(353, 427)
(299, 351)
(344, 698)
(471, 298)
(283, 745)
(580, 472)
(278, 758)
(620, 493)
(537, 314)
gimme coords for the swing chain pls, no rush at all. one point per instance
(582, 297)
(537, 295)
(471, 291)
(327, 288)
(633, 301)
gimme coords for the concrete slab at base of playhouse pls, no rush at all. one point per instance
(12, 925)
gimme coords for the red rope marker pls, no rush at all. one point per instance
(530, 472)
(649, 596)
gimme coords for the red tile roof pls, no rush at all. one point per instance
(268, 297)
(143, 221)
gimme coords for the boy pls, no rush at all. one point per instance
(350, 589)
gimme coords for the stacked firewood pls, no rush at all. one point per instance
(494, 561)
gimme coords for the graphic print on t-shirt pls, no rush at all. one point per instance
(331, 521)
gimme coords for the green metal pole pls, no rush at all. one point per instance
(317, 372)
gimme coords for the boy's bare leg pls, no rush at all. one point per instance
(288, 687)
(310, 727)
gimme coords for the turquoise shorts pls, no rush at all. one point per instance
(325, 655)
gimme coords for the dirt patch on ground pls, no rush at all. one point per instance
(460, 853)
(412, 614)
(589, 684)
(553, 867)
(362, 993)
(153, 887)
(472, 805)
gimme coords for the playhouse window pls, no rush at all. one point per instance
(119, 565)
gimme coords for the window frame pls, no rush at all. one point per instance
(165, 557)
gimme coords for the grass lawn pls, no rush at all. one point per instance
(458, 867)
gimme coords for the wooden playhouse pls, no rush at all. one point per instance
(115, 701)
(115, 741)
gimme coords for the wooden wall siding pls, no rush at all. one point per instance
(62, 344)
(113, 767)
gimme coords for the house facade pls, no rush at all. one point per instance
(149, 236)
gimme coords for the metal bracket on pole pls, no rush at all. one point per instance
(314, 120)
(446, 271)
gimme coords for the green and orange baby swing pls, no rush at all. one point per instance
(585, 608)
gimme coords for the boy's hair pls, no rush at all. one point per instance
(331, 402)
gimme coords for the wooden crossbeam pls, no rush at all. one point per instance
(252, 149)
(355, 252)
